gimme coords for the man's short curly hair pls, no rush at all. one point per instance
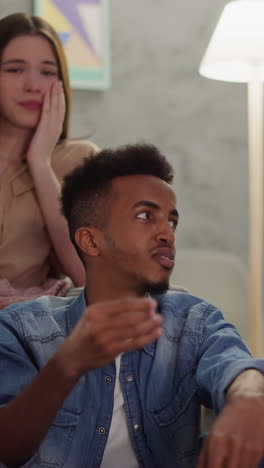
(86, 192)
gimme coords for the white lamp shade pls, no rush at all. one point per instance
(236, 50)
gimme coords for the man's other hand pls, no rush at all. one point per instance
(236, 439)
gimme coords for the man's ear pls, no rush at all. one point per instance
(87, 239)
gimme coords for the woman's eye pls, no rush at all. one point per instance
(14, 70)
(143, 215)
(49, 73)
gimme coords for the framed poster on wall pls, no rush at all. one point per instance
(83, 28)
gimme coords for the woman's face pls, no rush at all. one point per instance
(27, 70)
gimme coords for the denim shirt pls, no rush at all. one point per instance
(193, 362)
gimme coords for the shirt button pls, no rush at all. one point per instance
(108, 379)
(129, 377)
(137, 427)
(101, 430)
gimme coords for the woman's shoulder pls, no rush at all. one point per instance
(73, 146)
(70, 153)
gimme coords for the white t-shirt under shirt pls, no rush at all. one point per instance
(118, 451)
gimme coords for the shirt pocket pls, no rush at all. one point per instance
(55, 448)
(178, 418)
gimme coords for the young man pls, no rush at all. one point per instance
(115, 378)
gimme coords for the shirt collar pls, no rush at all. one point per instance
(75, 311)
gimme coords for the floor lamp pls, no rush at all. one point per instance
(236, 53)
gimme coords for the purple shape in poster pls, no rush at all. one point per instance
(70, 11)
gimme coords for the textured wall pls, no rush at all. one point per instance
(157, 95)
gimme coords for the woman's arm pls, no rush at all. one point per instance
(47, 185)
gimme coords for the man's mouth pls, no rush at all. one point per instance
(165, 257)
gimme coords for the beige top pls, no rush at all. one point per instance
(25, 246)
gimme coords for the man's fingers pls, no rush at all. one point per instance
(108, 329)
(228, 451)
(102, 336)
(142, 340)
(251, 455)
(112, 348)
(215, 452)
(126, 324)
(235, 458)
(242, 454)
(202, 458)
(101, 311)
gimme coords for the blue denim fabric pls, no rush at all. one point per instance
(194, 361)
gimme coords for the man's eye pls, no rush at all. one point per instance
(173, 224)
(143, 215)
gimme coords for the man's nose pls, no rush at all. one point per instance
(166, 234)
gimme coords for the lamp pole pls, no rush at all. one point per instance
(255, 148)
(235, 53)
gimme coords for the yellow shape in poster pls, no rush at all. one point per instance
(79, 55)
(55, 17)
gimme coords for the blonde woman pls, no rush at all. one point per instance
(36, 255)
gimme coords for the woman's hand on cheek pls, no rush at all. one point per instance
(49, 127)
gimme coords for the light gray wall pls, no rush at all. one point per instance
(157, 95)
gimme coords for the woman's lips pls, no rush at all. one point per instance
(31, 105)
(165, 257)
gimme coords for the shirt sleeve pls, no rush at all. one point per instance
(222, 357)
(17, 367)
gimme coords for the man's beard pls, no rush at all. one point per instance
(155, 288)
(120, 257)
